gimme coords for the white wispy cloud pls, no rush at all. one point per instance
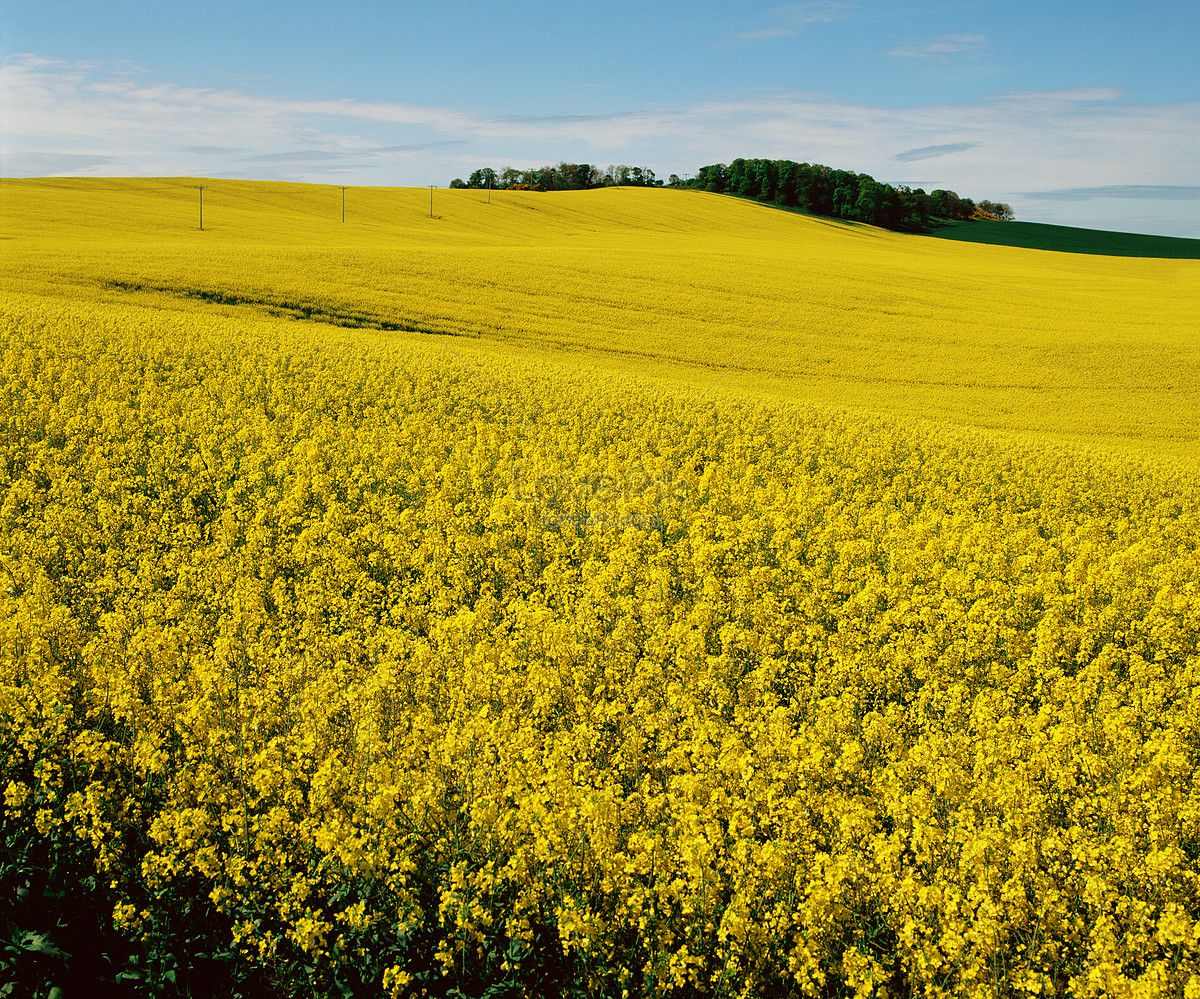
(792, 18)
(944, 48)
(1136, 192)
(1075, 95)
(932, 152)
(66, 118)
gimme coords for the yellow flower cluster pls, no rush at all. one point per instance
(397, 667)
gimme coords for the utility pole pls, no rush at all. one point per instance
(431, 186)
(343, 206)
(489, 190)
(200, 188)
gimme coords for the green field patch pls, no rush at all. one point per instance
(1069, 239)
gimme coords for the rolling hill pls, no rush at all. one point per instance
(699, 288)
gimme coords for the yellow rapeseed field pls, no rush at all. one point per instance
(698, 287)
(629, 592)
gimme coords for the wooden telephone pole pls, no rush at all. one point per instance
(200, 188)
(343, 206)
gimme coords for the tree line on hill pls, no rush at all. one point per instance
(842, 194)
(564, 177)
(807, 187)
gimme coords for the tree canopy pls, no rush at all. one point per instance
(844, 194)
(564, 177)
(806, 187)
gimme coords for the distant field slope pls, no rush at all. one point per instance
(1068, 239)
(704, 290)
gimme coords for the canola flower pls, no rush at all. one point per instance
(377, 662)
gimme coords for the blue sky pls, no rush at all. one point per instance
(1084, 113)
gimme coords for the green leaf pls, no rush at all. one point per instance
(39, 943)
